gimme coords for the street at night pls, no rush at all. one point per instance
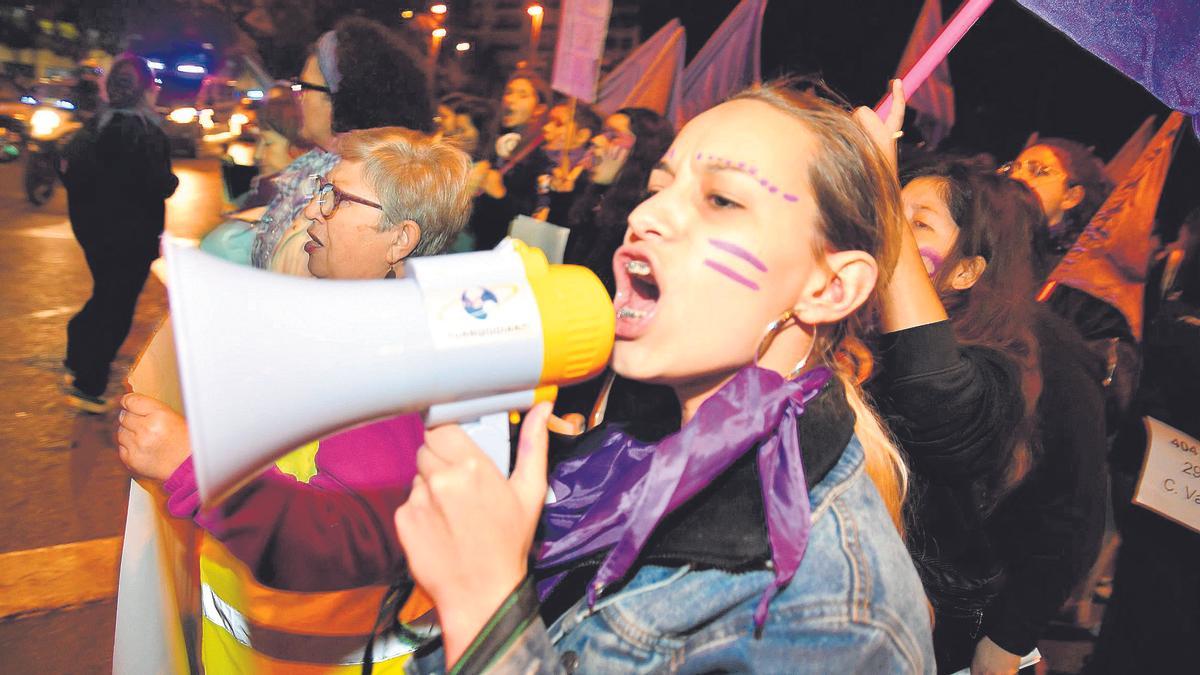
(62, 509)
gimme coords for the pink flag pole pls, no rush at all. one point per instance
(952, 32)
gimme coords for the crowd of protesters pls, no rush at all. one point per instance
(841, 430)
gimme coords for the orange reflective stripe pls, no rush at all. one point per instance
(348, 612)
(418, 605)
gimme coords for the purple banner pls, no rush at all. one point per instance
(581, 34)
(1156, 43)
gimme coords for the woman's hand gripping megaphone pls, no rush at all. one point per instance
(466, 531)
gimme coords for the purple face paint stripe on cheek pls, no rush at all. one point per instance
(734, 249)
(790, 197)
(731, 274)
(932, 259)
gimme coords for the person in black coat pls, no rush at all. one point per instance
(507, 185)
(117, 171)
(998, 408)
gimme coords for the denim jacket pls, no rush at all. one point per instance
(855, 606)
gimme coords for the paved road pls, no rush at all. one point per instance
(62, 490)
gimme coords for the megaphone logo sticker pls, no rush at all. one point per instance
(480, 314)
(478, 300)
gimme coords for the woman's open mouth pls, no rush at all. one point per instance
(637, 293)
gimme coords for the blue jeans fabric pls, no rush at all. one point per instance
(856, 605)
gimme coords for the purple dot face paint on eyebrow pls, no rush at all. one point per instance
(774, 189)
(932, 259)
(733, 249)
(731, 274)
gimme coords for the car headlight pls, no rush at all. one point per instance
(44, 122)
(182, 115)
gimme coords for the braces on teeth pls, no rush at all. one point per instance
(627, 313)
(638, 268)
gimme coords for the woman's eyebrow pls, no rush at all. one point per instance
(665, 168)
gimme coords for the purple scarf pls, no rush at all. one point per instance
(614, 497)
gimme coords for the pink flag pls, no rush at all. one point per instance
(933, 101)
(577, 55)
(650, 77)
(728, 62)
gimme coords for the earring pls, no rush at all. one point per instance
(775, 328)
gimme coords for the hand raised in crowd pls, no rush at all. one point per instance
(885, 132)
(466, 531)
(486, 180)
(563, 179)
(475, 178)
(608, 163)
(991, 659)
(152, 439)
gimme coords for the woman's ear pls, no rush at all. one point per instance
(405, 238)
(967, 272)
(848, 280)
(1072, 197)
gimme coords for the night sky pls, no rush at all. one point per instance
(1012, 74)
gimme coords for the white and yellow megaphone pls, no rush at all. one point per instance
(268, 362)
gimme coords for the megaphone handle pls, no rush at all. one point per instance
(490, 432)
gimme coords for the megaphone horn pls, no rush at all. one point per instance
(268, 362)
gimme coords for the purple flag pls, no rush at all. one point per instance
(933, 101)
(1156, 43)
(650, 77)
(729, 61)
(581, 34)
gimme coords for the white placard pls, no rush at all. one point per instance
(1170, 480)
(550, 238)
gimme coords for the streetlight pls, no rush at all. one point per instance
(535, 13)
(462, 46)
(435, 47)
(439, 8)
(406, 14)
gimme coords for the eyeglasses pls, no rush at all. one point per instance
(329, 197)
(300, 86)
(1030, 167)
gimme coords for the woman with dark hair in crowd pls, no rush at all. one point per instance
(506, 184)
(970, 370)
(358, 76)
(1071, 185)
(117, 171)
(597, 211)
(622, 156)
(469, 122)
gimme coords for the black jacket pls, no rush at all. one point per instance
(117, 177)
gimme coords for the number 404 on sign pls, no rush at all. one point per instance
(1170, 481)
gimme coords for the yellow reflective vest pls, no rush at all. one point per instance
(251, 628)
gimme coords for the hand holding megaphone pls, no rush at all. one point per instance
(269, 362)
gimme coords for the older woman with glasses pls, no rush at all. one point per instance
(321, 519)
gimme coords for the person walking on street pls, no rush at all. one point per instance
(117, 171)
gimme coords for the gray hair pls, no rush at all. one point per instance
(417, 177)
